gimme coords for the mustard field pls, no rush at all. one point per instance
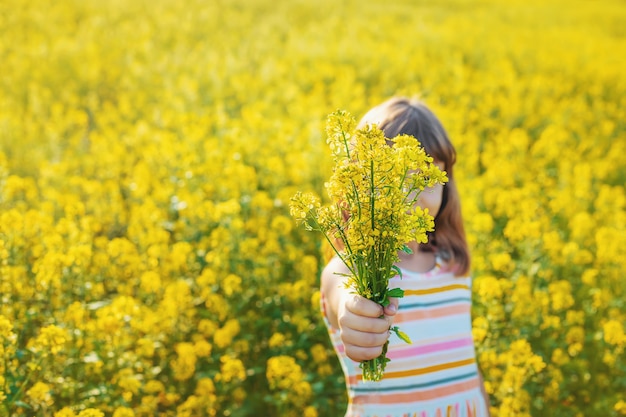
(149, 149)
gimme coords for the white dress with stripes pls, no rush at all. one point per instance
(436, 375)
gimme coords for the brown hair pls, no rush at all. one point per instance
(400, 115)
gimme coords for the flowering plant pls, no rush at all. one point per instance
(373, 213)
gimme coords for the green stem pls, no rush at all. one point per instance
(356, 193)
(18, 394)
(345, 142)
(372, 196)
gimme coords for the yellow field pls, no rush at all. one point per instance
(148, 150)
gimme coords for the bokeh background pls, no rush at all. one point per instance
(149, 148)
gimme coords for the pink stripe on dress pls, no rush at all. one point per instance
(432, 348)
(433, 312)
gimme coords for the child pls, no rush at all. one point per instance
(437, 374)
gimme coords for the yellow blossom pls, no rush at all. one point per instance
(123, 412)
(51, 339)
(39, 394)
(277, 340)
(231, 369)
(184, 365)
(231, 284)
(202, 348)
(614, 333)
(65, 412)
(224, 336)
(91, 412)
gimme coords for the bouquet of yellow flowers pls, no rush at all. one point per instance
(372, 213)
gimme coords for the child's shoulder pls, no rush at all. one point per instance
(442, 269)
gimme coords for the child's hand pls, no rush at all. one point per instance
(363, 330)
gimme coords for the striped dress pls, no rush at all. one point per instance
(436, 375)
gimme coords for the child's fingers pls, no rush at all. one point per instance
(392, 308)
(359, 354)
(361, 306)
(364, 324)
(363, 339)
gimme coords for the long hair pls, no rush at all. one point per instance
(401, 115)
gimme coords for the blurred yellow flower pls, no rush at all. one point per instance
(65, 412)
(614, 333)
(91, 412)
(51, 339)
(184, 365)
(277, 340)
(224, 336)
(6, 328)
(123, 412)
(39, 394)
(231, 369)
(231, 284)
(318, 353)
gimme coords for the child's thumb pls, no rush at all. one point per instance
(392, 308)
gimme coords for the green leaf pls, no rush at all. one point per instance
(397, 270)
(407, 250)
(22, 404)
(395, 292)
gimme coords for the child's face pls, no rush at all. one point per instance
(431, 197)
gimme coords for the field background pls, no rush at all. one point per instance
(148, 151)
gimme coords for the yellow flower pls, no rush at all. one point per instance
(231, 284)
(231, 369)
(76, 314)
(575, 338)
(559, 357)
(39, 394)
(123, 412)
(91, 412)
(620, 407)
(150, 282)
(614, 333)
(207, 278)
(560, 295)
(154, 387)
(202, 348)
(206, 327)
(224, 336)
(277, 340)
(65, 412)
(480, 328)
(205, 388)
(589, 277)
(488, 287)
(501, 262)
(145, 347)
(283, 372)
(51, 339)
(184, 365)
(609, 358)
(189, 408)
(128, 381)
(6, 328)
(319, 354)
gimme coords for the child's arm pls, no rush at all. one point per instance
(362, 329)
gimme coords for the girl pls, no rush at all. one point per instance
(437, 374)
